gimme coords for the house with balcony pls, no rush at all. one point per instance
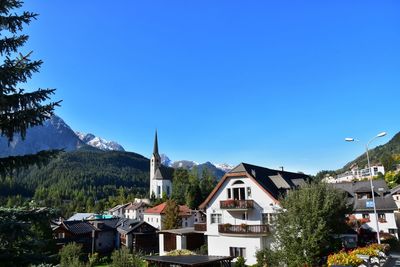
(241, 207)
(360, 195)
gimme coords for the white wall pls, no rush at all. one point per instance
(154, 220)
(218, 244)
(383, 226)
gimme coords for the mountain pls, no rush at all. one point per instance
(376, 154)
(218, 170)
(53, 134)
(98, 142)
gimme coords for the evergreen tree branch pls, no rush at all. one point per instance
(19, 121)
(14, 23)
(23, 101)
(10, 44)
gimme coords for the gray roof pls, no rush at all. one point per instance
(126, 226)
(362, 186)
(181, 231)
(80, 216)
(385, 203)
(395, 190)
(163, 173)
(87, 226)
(121, 206)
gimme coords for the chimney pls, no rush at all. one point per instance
(281, 167)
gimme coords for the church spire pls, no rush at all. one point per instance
(155, 149)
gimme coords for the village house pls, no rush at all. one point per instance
(155, 216)
(135, 210)
(241, 208)
(118, 211)
(105, 235)
(360, 194)
(138, 236)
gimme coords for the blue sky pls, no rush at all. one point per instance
(273, 83)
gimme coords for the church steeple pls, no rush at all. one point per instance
(155, 149)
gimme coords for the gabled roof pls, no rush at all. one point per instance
(273, 182)
(136, 205)
(163, 173)
(121, 206)
(160, 209)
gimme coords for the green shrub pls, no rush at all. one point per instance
(240, 262)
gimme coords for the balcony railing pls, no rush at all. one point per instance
(243, 229)
(201, 227)
(236, 204)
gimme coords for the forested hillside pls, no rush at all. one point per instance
(83, 180)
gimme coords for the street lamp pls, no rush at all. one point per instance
(370, 178)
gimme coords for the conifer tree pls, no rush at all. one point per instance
(171, 219)
(19, 109)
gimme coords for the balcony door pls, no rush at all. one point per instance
(239, 193)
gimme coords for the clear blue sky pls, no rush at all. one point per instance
(273, 83)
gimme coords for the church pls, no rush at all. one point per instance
(160, 176)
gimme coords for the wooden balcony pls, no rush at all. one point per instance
(243, 229)
(201, 227)
(234, 204)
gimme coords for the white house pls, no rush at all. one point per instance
(119, 210)
(355, 174)
(135, 210)
(241, 207)
(360, 194)
(155, 216)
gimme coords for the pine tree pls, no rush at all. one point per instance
(171, 219)
(19, 110)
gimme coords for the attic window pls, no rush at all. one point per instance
(238, 182)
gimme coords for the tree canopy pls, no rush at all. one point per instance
(308, 222)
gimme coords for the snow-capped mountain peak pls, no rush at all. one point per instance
(223, 166)
(98, 142)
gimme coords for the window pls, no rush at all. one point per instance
(158, 190)
(238, 182)
(248, 191)
(237, 252)
(186, 224)
(167, 190)
(244, 216)
(239, 193)
(381, 217)
(216, 218)
(365, 216)
(229, 193)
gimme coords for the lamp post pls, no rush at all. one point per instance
(370, 178)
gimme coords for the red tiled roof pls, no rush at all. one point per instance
(160, 209)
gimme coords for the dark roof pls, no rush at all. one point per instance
(79, 227)
(190, 260)
(395, 190)
(385, 203)
(163, 173)
(274, 181)
(155, 149)
(87, 226)
(128, 225)
(362, 186)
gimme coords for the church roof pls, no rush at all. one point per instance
(155, 149)
(163, 173)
